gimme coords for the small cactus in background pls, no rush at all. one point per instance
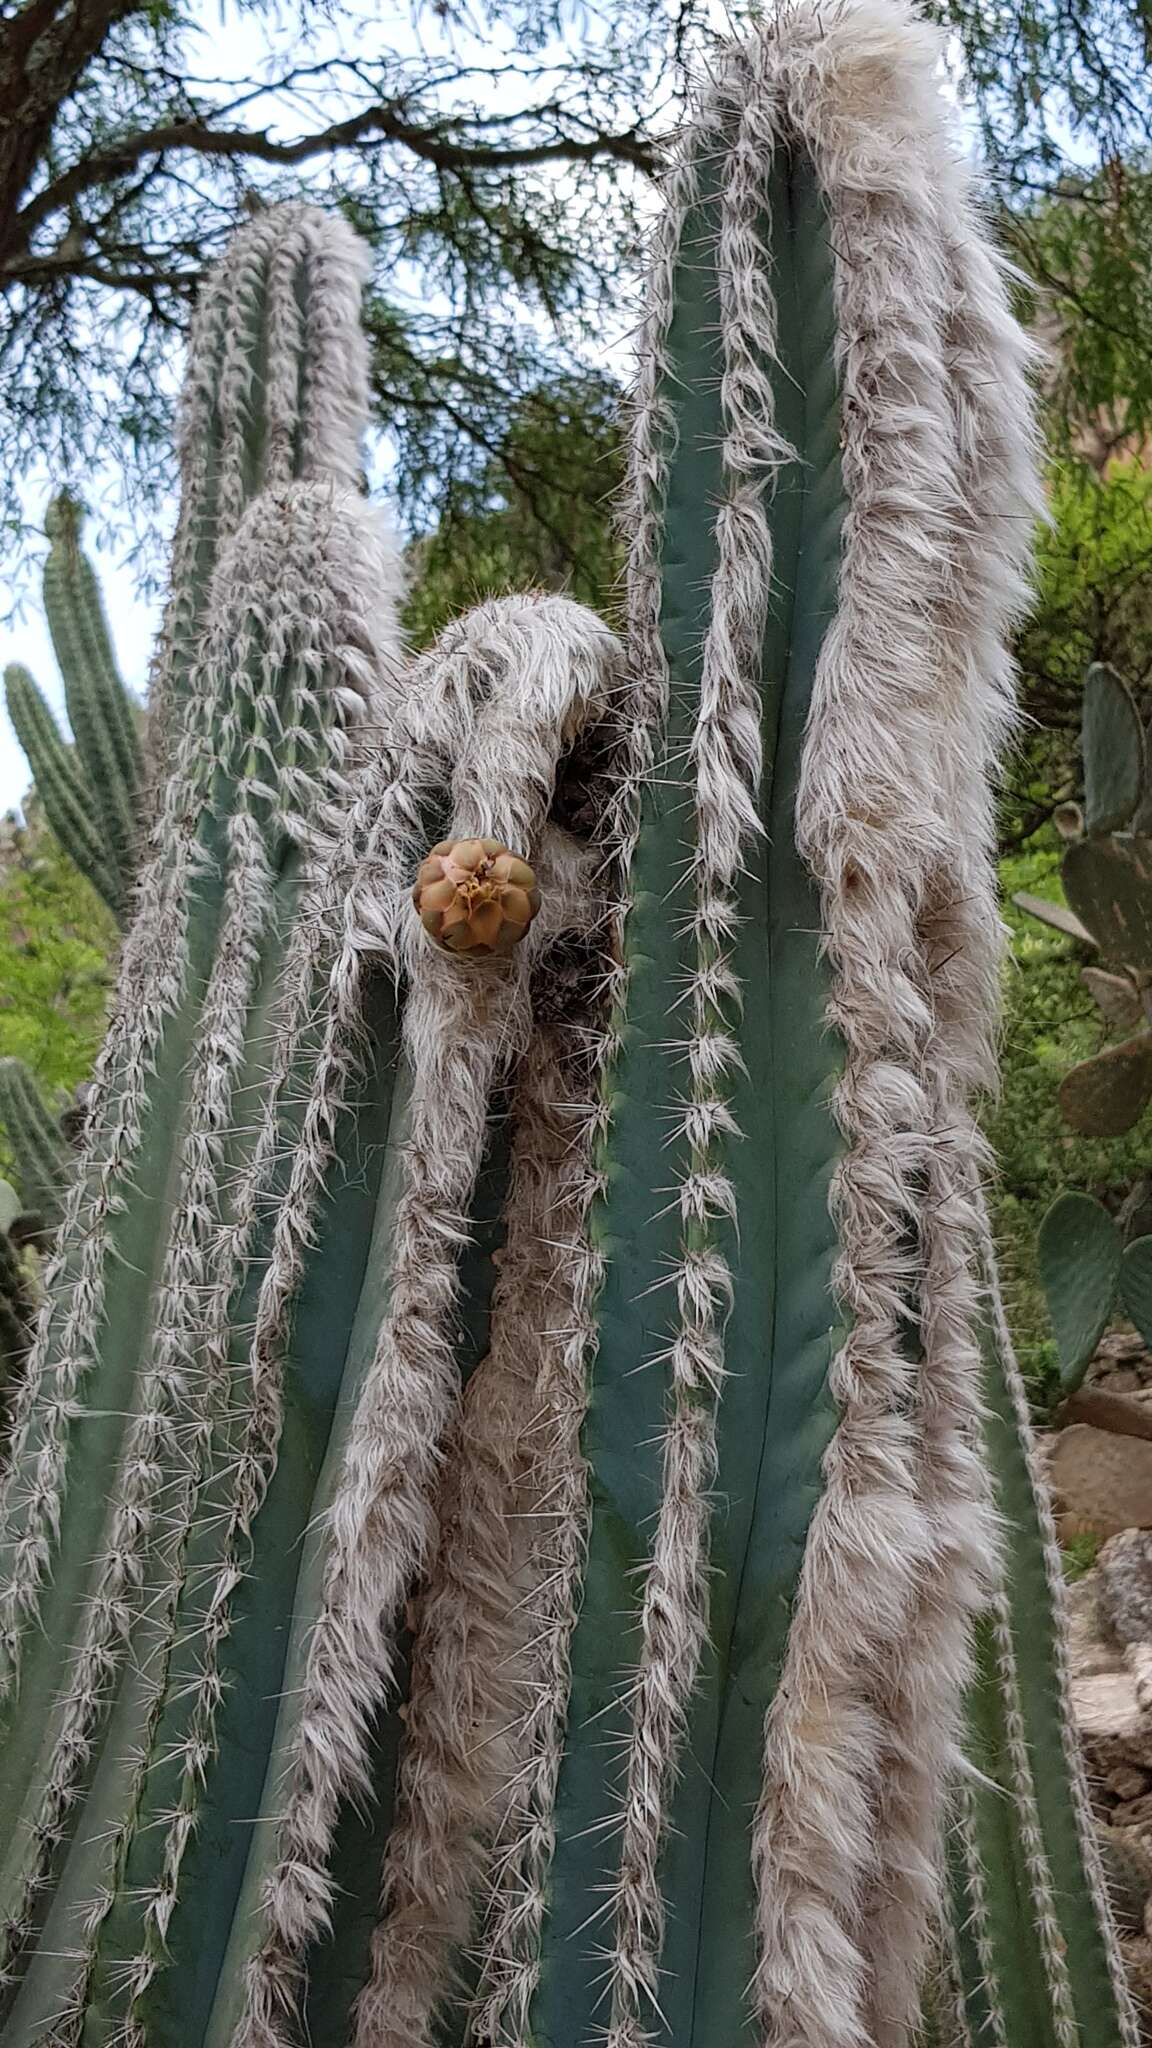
(457, 1374)
(92, 790)
(1092, 1265)
(18, 1303)
(41, 1149)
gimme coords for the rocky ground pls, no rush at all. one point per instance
(1100, 1465)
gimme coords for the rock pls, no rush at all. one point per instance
(1102, 1482)
(1121, 1344)
(1133, 1813)
(1127, 1782)
(1128, 1871)
(1115, 1729)
(1121, 1380)
(1113, 1726)
(1136, 1951)
(1090, 1654)
(1124, 1602)
(1124, 1585)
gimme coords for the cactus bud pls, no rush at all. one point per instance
(475, 896)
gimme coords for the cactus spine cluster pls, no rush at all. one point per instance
(507, 1485)
(91, 792)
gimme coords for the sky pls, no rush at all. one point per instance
(249, 38)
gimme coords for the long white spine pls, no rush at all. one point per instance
(903, 1508)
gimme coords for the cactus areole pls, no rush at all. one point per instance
(501, 1542)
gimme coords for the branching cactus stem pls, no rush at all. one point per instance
(522, 1520)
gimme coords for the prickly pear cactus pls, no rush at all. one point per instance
(507, 1487)
(1107, 876)
(1093, 1266)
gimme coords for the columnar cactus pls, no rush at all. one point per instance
(273, 395)
(63, 789)
(90, 792)
(17, 1304)
(497, 1525)
(42, 1158)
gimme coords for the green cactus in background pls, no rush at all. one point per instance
(60, 783)
(494, 1529)
(41, 1151)
(91, 791)
(17, 1303)
(103, 718)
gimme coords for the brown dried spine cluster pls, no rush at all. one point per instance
(475, 896)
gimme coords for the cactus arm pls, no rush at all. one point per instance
(203, 1981)
(199, 1758)
(171, 1301)
(61, 788)
(231, 1988)
(628, 1404)
(167, 957)
(218, 1695)
(776, 1418)
(997, 1825)
(635, 1240)
(1080, 1251)
(1105, 1095)
(1136, 1284)
(42, 1777)
(99, 709)
(1108, 882)
(460, 1032)
(978, 2017)
(278, 389)
(1058, 1903)
(17, 1313)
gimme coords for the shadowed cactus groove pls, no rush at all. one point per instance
(516, 1468)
